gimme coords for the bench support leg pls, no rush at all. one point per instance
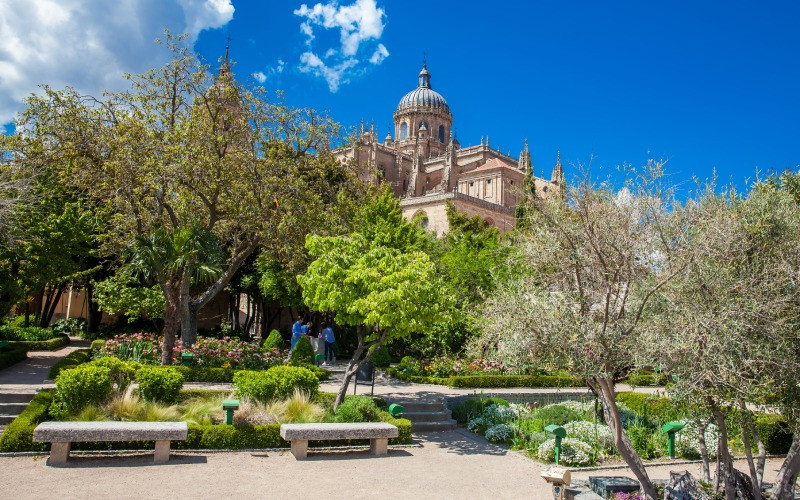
(59, 453)
(162, 452)
(379, 446)
(300, 449)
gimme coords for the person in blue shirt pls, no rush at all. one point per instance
(327, 335)
(297, 331)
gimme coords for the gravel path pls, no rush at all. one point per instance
(27, 376)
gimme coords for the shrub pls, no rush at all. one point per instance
(499, 433)
(81, 386)
(559, 414)
(381, 358)
(774, 433)
(297, 409)
(122, 373)
(406, 372)
(274, 341)
(18, 436)
(52, 344)
(358, 409)
(573, 452)
(12, 355)
(97, 345)
(648, 378)
(473, 407)
(585, 431)
(647, 442)
(27, 333)
(688, 439)
(71, 360)
(159, 384)
(303, 353)
(276, 383)
(76, 326)
(649, 406)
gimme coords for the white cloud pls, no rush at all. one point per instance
(89, 44)
(360, 27)
(271, 72)
(260, 77)
(379, 55)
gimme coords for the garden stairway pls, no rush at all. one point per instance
(427, 416)
(11, 405)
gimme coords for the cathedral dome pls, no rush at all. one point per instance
(423, 95)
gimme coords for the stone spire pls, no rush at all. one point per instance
(558, 172)
(225, 67)
(524, 158)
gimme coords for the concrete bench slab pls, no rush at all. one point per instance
(62, 434)
(299, 435)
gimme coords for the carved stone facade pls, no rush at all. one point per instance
(427, 167)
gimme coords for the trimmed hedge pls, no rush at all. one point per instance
(274, 341)
(225, 375)
(774, 433)
(492, 381)
(277, 382)
(11, 356)
(18, 436)
(98, 344)
(71, 360)
(649, 406)
(78, 387)
(26, 333)
(646, 378)
(163, 385)
(62, 340)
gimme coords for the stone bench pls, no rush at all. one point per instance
(62, 434)
(299, 435)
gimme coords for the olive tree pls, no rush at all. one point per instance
(591, 262)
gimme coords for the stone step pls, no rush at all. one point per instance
(438, 426)
(16, 397)
(426, 416)
(419, 406)
(6, 419)
(12, 408)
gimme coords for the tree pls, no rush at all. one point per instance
(181, 149)
(591, 267)
(376, 279)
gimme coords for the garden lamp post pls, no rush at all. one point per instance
(671, 428)
(187, 358)
(560, 433)
(230, 405)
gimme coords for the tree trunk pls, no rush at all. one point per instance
(701, 427)
(188, 314)
(172, 320)
(93, 312)
(748, 451)
(621, 441)
(762, 453)
(355, 363)
(725, 464)
(53, 296)
(787, 475)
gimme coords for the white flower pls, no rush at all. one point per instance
(687, 440)
(573, 452)
(585, 431)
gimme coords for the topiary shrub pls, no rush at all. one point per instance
(71, 360)
(774, 433)
(303, 353)
(381, 358)
(81, 386)
(279, 382)
(649, 406)
(97, 344)
(358, 409)
(558, 414)
(122, 373)
(162, 384)
(273, 341)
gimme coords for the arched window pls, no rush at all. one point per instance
(403, 131)
(441, 133)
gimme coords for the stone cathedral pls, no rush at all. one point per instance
(427, 167)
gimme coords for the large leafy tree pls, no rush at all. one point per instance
(376, 279)
(591, 268)
(181, 148)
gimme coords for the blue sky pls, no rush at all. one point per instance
(703, 85)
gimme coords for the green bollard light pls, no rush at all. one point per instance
(187, 358)
(671, 428)
(230, 405)
(560, 433)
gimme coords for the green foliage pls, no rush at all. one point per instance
(473, 407)
(381, 358)
(559, 414)
(358, 409)
(122, 373)
(81, 386)
(229, 437)
(18, 436)
(644, 378)
(774, 433)
(649, 406)
(71, 360)
(75, 326)
(27, 334)
(12, 355)
(98, 344)
(53, 344)
(647, 442)
(274, 341)
(278, 382)
(123, 293)
(491, 381)
(303, 353)
(161, 384)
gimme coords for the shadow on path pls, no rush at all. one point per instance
(133, 460)
(460, 444)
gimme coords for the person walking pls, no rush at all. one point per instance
(327, 335)
(297, 331)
